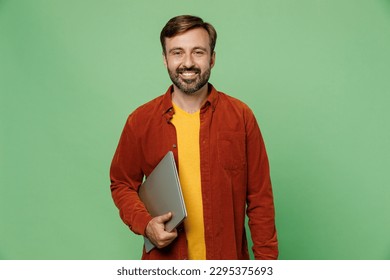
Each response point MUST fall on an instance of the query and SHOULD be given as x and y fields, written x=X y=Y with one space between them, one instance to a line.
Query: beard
x=189 y=86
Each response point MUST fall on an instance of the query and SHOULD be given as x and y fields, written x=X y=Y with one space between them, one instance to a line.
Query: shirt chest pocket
x=231 y=150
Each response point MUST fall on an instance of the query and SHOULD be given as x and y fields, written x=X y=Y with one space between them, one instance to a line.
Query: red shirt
x=235 y=176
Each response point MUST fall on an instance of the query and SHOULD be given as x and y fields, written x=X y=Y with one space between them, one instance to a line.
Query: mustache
x=189 y=69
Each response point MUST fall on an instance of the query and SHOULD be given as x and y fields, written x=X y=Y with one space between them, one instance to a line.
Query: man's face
x=189 y=60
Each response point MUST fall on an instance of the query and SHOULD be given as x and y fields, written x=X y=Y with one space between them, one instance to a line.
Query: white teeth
x=188 y=73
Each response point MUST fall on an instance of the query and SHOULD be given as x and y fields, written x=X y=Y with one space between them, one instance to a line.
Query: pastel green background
x=315 y=73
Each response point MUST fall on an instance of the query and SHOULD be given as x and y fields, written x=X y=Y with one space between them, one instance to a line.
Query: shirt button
x=174 y=146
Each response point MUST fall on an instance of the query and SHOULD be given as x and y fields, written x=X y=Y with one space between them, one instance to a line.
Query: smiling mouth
x=188 y=74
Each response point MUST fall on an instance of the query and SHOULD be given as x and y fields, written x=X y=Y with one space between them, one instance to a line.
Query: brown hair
x=181 y=24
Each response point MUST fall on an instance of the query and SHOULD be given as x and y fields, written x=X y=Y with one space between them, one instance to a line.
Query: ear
x=165 y=60
x=212 y=60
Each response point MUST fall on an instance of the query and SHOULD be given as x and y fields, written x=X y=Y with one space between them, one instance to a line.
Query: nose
x=188 y=61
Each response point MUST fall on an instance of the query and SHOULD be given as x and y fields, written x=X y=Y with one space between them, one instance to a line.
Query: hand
x=155 y=231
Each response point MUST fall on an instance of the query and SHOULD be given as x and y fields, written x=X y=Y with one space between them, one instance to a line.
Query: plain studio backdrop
x=315 y=73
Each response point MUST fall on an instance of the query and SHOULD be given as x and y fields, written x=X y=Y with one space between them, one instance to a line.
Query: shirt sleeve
x=126 y=176
x=260 y=203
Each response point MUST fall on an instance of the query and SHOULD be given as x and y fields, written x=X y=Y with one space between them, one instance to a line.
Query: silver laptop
x=161 y=193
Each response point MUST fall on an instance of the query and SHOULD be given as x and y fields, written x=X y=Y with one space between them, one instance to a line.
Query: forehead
x=193 y=38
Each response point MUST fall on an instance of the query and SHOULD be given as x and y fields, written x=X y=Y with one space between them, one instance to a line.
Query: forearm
x=263 y=232
x=131 y=209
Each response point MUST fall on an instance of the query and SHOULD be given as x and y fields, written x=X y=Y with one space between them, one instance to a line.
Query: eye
x=199 y=52
x=176 y=52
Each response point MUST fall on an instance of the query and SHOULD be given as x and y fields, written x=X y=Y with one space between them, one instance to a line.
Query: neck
x=190 y=103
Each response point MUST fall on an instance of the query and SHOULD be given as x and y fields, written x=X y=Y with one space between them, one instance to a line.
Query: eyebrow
x=175 y=49
x=200 y=48
x=182 y=49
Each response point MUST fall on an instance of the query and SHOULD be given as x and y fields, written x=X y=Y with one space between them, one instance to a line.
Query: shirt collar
x=212 y=100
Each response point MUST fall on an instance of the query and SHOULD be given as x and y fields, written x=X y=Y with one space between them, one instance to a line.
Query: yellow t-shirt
x=187 y=130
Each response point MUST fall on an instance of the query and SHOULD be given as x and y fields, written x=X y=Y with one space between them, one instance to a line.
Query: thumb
x=166 y=217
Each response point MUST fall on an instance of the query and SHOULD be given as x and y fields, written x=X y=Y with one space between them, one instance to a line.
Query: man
x=222 y=162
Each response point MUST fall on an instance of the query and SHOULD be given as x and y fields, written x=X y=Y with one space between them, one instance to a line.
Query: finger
x=166 y=240
x=171 y=234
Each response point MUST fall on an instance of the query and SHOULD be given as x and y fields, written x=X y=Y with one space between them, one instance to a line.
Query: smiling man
x=220 y=153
